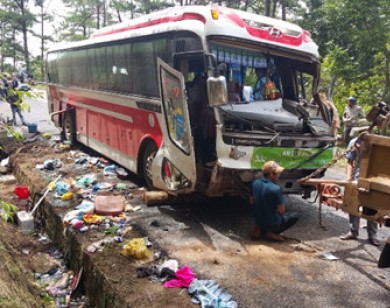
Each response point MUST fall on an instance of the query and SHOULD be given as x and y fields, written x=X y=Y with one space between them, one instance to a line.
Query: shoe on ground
x=374 y=241
x=273 y=237
x=349 y=236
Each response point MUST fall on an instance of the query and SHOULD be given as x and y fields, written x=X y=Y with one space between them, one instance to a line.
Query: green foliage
x=24 y=106
x=354 y=39
x=7 y=210
x=11 y=131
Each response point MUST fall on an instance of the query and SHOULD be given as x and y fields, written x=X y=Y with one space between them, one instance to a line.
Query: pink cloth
x=184 y=277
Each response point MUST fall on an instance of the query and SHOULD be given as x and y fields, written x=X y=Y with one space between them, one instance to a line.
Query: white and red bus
x=151 y=94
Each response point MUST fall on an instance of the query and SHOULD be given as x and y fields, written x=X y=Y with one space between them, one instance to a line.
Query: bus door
x=174 y=167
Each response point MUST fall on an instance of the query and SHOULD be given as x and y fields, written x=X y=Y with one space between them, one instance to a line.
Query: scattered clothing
x=209 y=294
x=184 y=276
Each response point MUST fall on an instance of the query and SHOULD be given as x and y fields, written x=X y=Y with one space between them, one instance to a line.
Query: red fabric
x=184 y=277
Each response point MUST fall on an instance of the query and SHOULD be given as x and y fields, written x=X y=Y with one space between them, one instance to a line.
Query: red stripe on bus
x=100 y=104
x=185 y=16
x=282 y=38
x=139 y=129
x=265 y=33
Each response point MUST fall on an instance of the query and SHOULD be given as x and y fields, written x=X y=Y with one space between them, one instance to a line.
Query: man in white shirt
x=352 y=113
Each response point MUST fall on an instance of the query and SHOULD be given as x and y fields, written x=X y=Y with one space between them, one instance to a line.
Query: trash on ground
x=7 y=179
x=23 y=192
x=183 y=278
x=208 y=293
x=136 y=248
x=99 y=245
x=329 y=256
x=109 y=205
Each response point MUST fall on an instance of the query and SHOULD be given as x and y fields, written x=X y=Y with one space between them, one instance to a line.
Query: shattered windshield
x=268 y=92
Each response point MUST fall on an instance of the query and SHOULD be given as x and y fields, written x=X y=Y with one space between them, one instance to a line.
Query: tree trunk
x=246 y=5
x=42 y=44
x=331 y=87
x=104 y=14
x=14 y=46
x=25 y=41
x=118 y=13
x=2 y=40
x=283 y=4
x=267 y=7
x=98 y=15
x=274 y=5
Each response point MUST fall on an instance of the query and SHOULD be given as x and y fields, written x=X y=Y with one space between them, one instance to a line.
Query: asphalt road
x=212 y=238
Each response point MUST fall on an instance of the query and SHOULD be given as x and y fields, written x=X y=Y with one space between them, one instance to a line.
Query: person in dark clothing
x=14 y=83
x=14 y=100
x=270 y=214
x=3 y=87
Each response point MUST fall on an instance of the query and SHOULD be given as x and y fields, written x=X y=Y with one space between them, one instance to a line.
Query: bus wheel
x=147 y=160
x=69 y=126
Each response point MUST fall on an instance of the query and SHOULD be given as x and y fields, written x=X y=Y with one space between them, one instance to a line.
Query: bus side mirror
x=217 y=91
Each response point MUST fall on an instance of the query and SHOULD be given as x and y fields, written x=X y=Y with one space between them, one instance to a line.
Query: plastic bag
x=136 y=248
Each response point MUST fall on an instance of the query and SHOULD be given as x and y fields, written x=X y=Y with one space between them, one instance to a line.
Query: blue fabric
x=353 y=154
x=209 y=294
x=267 y=196
x=236 y=72
x=258 y=89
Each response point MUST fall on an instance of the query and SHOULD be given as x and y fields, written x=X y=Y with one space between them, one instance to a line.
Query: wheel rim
x=148 y=165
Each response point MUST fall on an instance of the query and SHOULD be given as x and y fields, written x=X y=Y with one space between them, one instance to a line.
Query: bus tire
x=69 y=126
x=148 y=155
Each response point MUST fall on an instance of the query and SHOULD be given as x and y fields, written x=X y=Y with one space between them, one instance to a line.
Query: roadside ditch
x=90 y=257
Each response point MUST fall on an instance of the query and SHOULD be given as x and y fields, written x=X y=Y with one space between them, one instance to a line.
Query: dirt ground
x=119 y=270
x=122 y=271
x=212 y=238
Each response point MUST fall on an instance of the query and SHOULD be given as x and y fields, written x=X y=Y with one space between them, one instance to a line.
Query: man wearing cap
x=269 y=209
x=352 y=113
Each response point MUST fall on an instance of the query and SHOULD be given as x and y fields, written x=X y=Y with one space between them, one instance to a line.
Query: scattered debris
x=136 y=248
x=7 y=179
x=329 y=256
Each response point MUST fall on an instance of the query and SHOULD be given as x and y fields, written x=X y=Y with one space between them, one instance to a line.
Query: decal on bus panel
x=149 y=106
x=173 y=103
x=292 y=158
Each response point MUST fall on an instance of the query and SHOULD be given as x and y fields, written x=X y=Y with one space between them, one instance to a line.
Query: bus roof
x=208 y=21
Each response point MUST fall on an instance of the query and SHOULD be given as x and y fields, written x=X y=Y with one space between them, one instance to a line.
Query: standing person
x=14 y=83
x=353 y=155
x=3 y=86
x=14 y=100
x=270 y=214
x=352 y=113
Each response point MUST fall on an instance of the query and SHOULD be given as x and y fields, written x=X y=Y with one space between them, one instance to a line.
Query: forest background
x=353 y=35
